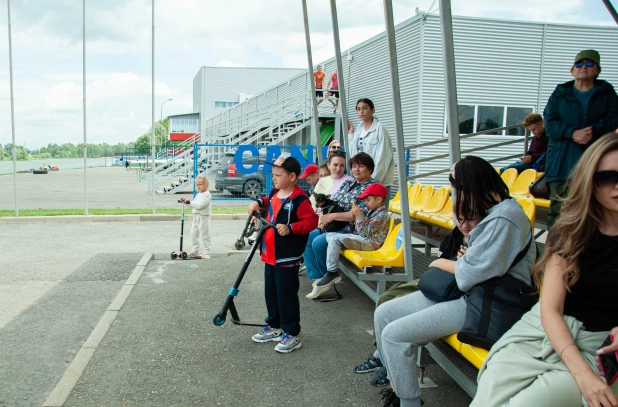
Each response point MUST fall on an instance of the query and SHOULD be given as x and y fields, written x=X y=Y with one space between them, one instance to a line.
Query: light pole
x=164 y=102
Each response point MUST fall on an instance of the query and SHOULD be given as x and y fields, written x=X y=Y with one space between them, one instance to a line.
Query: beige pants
x=200 y=234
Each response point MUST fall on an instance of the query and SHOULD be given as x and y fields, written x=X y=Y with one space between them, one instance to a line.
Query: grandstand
x=495 y=92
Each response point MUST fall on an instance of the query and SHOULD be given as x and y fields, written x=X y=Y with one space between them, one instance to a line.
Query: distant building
x=216 y=89
x=183 y=126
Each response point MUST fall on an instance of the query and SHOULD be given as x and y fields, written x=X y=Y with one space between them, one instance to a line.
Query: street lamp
x=161 y=119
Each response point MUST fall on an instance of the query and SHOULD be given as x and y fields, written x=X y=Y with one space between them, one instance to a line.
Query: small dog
x=329 y=206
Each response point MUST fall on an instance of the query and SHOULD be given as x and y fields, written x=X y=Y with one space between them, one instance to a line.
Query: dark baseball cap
x=289 y=164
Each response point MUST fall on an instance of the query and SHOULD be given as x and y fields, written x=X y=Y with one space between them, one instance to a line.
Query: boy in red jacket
x=289 y=209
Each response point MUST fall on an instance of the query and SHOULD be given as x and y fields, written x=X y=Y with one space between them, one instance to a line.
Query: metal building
x=505 y=70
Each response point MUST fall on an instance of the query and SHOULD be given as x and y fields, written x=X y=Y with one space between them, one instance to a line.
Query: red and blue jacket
x=296 y=212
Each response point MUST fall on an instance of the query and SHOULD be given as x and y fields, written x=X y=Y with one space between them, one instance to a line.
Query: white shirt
x=201 y=204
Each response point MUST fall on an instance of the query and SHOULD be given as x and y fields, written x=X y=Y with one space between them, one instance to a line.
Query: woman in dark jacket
x=577 y=114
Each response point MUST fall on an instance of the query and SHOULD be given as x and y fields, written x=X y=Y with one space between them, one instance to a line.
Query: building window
x=489 y=117
x=224 y=105
x=475 y=118
x=516 y=115
x=466 y=118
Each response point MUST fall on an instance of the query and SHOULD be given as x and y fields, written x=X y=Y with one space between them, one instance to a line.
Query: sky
x=47 y=52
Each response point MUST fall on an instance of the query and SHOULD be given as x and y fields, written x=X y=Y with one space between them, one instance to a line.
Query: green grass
x=119 y=211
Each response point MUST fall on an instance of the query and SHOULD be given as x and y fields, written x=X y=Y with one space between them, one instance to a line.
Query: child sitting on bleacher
x=371 y=232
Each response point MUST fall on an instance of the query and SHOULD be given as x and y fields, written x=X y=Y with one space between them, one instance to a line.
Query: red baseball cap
x=376 y=189
x=310 y=169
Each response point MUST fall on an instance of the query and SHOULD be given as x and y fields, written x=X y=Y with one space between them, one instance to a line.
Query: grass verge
x=118 y=211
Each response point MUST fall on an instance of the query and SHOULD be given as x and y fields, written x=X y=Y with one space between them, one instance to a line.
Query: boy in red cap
x=371 y=231
x=288 y=208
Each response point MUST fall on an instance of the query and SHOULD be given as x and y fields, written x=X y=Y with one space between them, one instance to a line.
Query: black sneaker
x=332 y=277
x=389 y=398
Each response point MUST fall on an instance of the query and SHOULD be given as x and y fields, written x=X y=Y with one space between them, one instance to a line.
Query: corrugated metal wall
x=499 y=63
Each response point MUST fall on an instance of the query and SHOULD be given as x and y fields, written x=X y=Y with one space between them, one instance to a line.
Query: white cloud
x=48 y=50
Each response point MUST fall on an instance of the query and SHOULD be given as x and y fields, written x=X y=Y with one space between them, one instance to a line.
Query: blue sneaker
x=288 y=344
x=268 y=334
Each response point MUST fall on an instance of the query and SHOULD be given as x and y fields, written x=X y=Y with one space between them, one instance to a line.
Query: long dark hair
x=475 y=182
x=367 y=101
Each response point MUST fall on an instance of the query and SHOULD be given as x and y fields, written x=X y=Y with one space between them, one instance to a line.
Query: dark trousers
x=556 y=189
x=281 y=293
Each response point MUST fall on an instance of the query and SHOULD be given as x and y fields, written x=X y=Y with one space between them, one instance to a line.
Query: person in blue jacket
x=577 y=113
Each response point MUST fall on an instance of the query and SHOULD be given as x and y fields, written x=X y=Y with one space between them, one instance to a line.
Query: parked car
x=249 y=185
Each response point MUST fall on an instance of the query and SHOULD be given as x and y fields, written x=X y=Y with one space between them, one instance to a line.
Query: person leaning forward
x=577 y=113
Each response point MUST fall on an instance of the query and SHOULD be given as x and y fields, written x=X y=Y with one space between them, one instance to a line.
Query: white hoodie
x=201 y=204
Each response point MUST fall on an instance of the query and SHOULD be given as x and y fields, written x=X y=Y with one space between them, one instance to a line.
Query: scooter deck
x=249 y=322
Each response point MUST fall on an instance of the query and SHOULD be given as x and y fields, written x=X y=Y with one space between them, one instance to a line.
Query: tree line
x=68 y=150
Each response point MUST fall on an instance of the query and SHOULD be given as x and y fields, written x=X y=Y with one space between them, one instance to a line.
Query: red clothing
x=319 y=79
x=538 y=146
x=334 y=84
x=296 y=212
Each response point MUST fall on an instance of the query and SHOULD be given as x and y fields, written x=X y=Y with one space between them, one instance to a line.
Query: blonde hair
x=580 y=216
x=203 y=178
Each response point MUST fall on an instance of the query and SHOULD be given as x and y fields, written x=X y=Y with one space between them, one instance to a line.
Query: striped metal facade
x=498 y=63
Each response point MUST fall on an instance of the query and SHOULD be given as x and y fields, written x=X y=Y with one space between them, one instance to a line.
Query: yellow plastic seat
x=421 y=200
x=542 y=203
x=446 y=211
x=509 y=176
x=436 y=203
x=454 y=342
x=529 y=209
x=413 y=192
x=523 y=181
x=474 y=355
x=396 y=199
x=390 y=254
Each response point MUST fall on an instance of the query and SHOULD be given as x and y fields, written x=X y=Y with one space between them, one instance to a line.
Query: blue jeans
x=519 y=166
x=315 y=254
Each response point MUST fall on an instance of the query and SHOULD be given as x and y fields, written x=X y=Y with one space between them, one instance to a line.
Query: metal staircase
x=271 y=124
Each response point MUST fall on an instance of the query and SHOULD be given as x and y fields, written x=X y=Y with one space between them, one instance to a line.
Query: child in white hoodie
x=200 y=230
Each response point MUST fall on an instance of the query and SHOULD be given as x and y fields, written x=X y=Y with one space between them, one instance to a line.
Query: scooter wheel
x=218 y=320
x=240 y=244
x=173 y=255
x=184 y=255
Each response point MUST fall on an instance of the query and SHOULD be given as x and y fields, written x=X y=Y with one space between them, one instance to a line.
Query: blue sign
x=272 y=154
x=399 y=239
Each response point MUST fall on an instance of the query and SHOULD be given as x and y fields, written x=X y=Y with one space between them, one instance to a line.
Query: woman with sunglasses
x=577 y=113
x=550 y=357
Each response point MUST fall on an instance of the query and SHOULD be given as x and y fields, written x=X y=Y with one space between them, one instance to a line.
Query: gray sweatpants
x=335 y=241
x=407 y=321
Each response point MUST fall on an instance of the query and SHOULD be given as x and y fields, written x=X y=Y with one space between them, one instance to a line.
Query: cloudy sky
x=47 y=52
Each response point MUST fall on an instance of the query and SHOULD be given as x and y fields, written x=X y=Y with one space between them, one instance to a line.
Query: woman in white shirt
x=372 y=138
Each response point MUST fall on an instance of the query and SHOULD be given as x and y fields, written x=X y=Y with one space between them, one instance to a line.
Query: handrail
x=467 y=151
x=479 y=133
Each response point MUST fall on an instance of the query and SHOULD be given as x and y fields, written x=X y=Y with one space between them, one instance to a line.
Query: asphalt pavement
x=162 y=349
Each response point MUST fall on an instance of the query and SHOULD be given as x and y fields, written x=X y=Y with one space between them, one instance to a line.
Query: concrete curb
x=112 y=218
x=71 y=376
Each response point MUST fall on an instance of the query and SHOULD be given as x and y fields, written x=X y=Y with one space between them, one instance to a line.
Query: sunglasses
x=605 y=179
x=335 y=147
x=580 y=64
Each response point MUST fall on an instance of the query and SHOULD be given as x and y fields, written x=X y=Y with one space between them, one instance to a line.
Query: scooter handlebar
x=260 y=217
